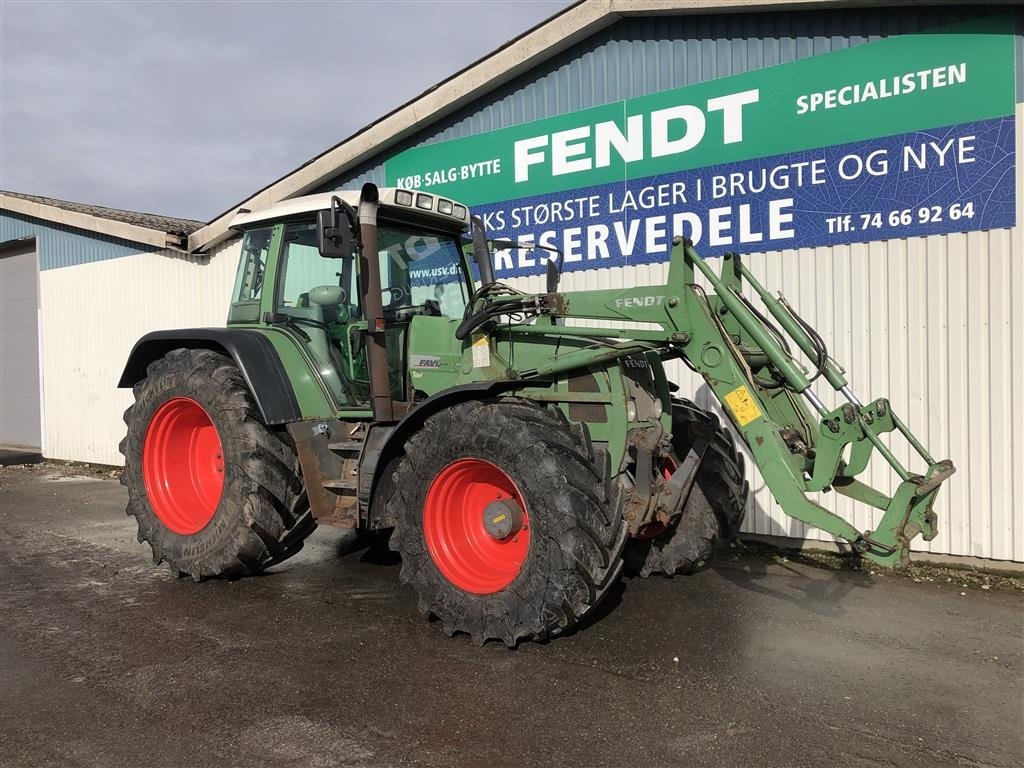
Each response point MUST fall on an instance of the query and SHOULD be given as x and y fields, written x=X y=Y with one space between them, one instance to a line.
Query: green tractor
x=374 y=375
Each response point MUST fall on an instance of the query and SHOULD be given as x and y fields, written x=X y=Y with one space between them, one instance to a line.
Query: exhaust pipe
x=373 y=307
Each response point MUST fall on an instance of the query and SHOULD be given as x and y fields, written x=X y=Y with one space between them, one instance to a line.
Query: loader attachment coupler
x=801 y=450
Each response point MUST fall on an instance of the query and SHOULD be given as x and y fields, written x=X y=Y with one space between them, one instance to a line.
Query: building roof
x=146 y=228
x=556 y=34
x=520 y=54
x=169 y=224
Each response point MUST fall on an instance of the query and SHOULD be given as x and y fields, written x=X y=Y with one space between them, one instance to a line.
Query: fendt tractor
x=374 y=374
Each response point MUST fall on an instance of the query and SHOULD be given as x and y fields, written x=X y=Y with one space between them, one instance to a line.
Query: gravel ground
x=765 y=659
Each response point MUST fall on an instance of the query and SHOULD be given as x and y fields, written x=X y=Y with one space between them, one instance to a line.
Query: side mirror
x=333 y=233
x=553 y=264
x=481 y=253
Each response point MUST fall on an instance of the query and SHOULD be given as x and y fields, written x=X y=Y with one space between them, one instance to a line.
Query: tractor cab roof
x=437 y=211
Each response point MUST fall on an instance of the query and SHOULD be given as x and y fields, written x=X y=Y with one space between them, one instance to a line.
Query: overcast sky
x=186 y=108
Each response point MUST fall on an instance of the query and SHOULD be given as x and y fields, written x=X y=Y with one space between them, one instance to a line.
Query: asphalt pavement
x=106 y=660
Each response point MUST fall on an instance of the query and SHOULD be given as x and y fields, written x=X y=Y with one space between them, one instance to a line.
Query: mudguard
x=253 y=353
x=385 y=442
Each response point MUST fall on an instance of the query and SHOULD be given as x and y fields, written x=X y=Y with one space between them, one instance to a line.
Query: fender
x=253 y=353
x=385 y=442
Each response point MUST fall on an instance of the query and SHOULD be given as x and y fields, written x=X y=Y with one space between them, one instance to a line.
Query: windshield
x=421 y=271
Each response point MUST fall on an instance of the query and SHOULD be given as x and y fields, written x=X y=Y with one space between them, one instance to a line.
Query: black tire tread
x=586 y=540
x=266 y=508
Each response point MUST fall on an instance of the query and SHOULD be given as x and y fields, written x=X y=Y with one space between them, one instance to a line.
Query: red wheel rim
x=453 y=525
x=183 y=465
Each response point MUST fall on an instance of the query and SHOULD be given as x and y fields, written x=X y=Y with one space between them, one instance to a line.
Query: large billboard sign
x=911 y=135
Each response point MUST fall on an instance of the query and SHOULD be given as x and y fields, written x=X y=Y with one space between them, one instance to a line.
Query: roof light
x=403 y=197
x=444 y=206
x=459 y=212
x=426 y=202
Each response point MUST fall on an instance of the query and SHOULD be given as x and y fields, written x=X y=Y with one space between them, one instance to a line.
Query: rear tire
x=537 y=583
x=214 y=491
x=715 y=509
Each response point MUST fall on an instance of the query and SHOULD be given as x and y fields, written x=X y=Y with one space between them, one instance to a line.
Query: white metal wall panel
x=92 y=316
x=937 y=325
x=20 y=423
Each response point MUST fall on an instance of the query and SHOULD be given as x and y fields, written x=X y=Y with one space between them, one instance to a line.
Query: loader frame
x=801 y=447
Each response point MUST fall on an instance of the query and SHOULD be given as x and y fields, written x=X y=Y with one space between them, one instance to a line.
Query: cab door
x=422 y=275
x=316 y=301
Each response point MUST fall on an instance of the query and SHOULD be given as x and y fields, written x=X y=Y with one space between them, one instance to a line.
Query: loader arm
x=800 y=446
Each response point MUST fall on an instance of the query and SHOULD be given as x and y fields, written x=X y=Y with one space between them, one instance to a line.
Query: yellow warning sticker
x=481 y=350
x=742 y=405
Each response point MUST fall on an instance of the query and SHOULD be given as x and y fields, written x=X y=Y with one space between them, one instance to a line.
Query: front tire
x=213 y=490
x=715 y=508
x=551 y=548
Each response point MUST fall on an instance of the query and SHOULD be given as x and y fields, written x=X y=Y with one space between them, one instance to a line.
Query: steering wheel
x=428 y=308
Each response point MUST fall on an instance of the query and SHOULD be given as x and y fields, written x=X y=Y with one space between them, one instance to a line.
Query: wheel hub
x=476 y=526
x=503 y=518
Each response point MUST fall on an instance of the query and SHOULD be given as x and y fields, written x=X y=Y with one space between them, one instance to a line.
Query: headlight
x=630 y=410
x=444 y=206
x=403 y=197
x=459 y=212
x=426 y=202
x=658 y=408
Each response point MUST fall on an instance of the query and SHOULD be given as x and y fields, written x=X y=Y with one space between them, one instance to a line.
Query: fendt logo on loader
x=639 y=301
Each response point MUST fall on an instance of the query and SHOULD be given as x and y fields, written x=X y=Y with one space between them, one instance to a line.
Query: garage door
x=19 y=348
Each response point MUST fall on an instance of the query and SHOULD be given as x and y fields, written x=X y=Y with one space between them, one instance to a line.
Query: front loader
x=519 y=449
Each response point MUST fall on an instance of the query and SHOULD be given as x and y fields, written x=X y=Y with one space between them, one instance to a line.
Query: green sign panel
x=808 y=147
x=953 y=75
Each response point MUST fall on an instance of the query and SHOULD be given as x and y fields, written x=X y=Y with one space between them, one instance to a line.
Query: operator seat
x=324 y=304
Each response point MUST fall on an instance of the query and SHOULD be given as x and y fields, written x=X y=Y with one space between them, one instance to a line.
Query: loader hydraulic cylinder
x=757 y=332
x=783 y=313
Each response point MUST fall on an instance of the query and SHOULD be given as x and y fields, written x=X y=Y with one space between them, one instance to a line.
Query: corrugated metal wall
x=63 y=246
x=98 y=295
x=93 y=314
x=939 y=329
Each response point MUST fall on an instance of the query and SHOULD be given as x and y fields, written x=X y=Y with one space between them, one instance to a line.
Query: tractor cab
x=304 y=269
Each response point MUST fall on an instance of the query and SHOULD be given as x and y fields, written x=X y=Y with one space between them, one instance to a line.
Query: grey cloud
x=186 y=108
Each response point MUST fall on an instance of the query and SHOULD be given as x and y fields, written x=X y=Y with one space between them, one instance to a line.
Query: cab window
x=421 y=273
x=245 y=298
x=316 y=295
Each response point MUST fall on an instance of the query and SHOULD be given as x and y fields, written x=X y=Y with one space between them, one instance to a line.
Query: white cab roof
x=321 y=202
